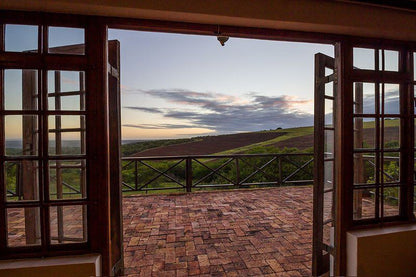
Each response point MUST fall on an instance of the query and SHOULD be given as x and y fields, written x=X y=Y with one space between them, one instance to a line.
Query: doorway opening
x=202 y=117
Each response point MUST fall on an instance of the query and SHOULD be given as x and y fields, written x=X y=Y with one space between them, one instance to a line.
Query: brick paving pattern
x=225 y=233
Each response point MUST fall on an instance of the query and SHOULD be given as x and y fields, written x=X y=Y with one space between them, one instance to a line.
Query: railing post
x=237 y=168
x=280 y=169
x=136 y=177
x=188 y=174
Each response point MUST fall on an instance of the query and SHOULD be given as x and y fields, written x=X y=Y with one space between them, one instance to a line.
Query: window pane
x=391 y=60
x=364 y=98
x=21 y=135
x=64 y=40
x=364 y=204
x=391 y=99
x=23 y=227
x=329 y=112
x=66 y=134
x=329 y=144
x=364 y=168
x=67 y=179
x=363 y=58
x=21 y=38
x=328 y=201
x=66 y=90
x=329 y=89
x=364 y=133
x=328 y=175
x=68 y=224
x=391 y=169
x=391 y=133
x=391 y=201
x=21 y=180
x=414 y=66
x=20 y=89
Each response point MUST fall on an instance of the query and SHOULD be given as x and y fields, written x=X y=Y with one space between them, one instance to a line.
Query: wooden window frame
x=94 y=63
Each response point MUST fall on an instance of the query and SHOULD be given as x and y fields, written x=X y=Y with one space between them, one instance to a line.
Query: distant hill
x=210 y=144
x=300 y=138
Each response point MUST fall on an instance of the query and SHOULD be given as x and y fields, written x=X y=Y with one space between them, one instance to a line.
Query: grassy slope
x=287 y=135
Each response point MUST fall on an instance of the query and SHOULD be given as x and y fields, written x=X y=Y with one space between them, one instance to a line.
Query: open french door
x=324 y=166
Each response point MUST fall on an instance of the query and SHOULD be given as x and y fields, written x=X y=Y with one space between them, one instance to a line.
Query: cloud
x=144 y=109
x=159 y=126
x=225 y=114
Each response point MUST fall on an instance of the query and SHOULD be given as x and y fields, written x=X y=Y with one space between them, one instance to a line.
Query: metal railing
x=188 y=173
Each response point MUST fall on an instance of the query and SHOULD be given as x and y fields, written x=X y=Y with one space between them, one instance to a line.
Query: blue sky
x=176 y=85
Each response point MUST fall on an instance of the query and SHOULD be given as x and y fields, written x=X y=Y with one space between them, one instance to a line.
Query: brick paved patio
x=233 y=233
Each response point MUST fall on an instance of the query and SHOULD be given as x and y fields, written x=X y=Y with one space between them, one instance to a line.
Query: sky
x=176 y=85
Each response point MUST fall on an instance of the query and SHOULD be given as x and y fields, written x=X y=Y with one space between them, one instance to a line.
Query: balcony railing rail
x=194 y=172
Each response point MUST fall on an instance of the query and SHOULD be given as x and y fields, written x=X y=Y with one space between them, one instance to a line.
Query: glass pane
x=67 y=179
x=363 y=58
x=21 y=38
x=66 y=134
x=364 y=98
x=328 y=201
x=329 y=144
x=66 y=90
x=364 y=133
x=364 y=168
x=328 y=71
x=391 y=201
x=414 y=66
x=20 y=89
x=391 y=133
x=23 y=227
x=329 y=112
x=68 y=224
x=21 y=135
x=391 y=169
x=328 y=175
x=391 y=60
x=64 y=40
x=21 y=180
x=391 y=99
x=364 y=204
x=329 y=89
